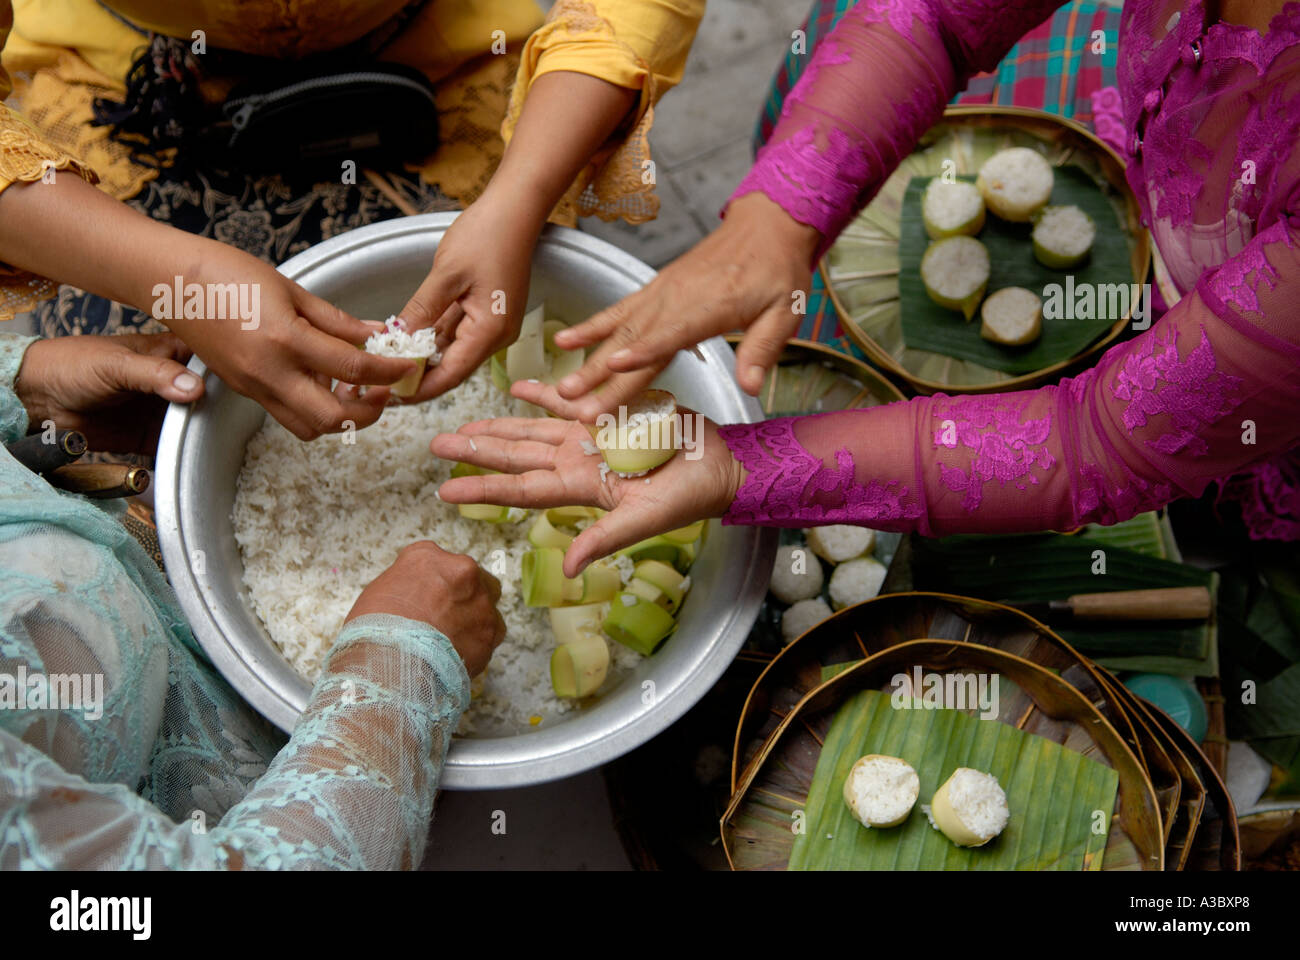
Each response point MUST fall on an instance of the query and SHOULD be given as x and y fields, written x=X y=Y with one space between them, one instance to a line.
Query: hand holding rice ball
x=395 y=340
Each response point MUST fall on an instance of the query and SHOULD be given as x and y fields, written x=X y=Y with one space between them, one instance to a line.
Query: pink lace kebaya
x=1210 y=119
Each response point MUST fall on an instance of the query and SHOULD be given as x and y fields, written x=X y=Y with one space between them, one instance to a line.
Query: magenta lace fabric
x=1210 y=116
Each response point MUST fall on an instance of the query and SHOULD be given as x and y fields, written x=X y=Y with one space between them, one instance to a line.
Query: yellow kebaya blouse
x=62 y=54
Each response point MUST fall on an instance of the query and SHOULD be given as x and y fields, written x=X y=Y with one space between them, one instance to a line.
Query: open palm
x=543 y=462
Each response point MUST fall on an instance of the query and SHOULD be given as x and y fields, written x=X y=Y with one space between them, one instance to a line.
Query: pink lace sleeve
x=873 y=86
x=1211 y=388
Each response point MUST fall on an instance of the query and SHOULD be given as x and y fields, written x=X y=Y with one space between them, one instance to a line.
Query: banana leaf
x=1056 y=835
x=1044 y=567
x=1147 y=533
x=928 y=326
x=1284 y=754
x=1045 y=718
x=1279 y=564
x=1276 y=708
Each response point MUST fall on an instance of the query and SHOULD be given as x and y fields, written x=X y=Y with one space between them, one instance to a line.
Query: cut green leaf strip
x=578 y=668
x=673 y=584
x=569 y=623
x=543 y=534
x=637 y=623
x=535 y=356
x=545 y=584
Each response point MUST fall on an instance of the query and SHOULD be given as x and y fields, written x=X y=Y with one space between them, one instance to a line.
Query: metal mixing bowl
x=371 y=272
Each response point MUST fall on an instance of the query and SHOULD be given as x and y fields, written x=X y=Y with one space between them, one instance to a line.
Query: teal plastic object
x=1176 y=696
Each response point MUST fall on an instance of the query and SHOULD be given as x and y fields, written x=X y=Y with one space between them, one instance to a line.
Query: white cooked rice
x=316 y=522
x=396 y=341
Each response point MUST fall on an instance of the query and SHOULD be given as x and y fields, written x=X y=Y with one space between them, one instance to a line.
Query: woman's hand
x=292 y=349
x=477 y=291
x=542 y=463
x=448 y=591
x=283 y=357
x=751 y=273
x=114 y=390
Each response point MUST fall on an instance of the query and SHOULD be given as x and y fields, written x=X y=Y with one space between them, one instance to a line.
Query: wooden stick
x=382 y=184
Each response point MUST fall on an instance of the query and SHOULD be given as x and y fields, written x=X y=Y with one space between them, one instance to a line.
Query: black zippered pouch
x=377 y=114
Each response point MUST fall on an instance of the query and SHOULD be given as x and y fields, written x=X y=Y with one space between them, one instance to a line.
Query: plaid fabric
x=1046 y=70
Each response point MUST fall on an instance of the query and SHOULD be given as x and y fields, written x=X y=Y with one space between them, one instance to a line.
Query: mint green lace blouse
x=172 y=769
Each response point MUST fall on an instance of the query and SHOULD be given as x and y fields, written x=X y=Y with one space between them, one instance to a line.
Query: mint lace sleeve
x=1210 y=389
x=352 y=789
x=13 y=418
x=878 y=81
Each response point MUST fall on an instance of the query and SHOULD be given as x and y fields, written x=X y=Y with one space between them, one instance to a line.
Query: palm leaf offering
x=1039 y=836
x=928 y=326
x=1045 y=567
x=1058 y=760
x=867 y=274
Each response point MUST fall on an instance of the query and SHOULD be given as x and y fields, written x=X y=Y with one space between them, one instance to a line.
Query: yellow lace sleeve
x=24 y=156
x=638 y=44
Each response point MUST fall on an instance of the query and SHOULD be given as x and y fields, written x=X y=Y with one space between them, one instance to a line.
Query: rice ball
x=952 y=209
x=803 y=616
x=970 y=808
x=840 y=541
x=955 y=273
x=797 y=574
x=1016 y=183
x=856 y=581
x=881 y=791
x=1063 y=237
x=1013 y=316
